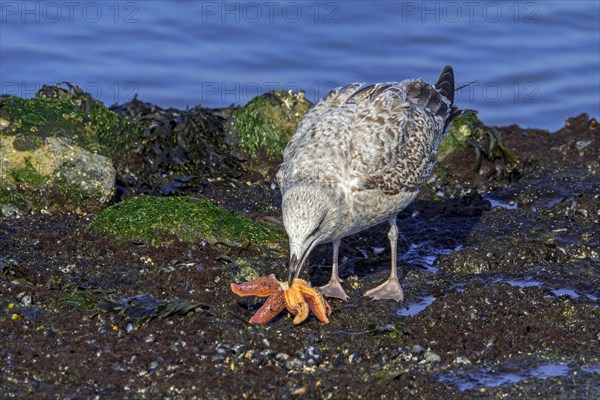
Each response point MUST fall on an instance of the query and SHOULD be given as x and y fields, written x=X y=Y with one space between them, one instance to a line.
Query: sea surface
x=534 y=63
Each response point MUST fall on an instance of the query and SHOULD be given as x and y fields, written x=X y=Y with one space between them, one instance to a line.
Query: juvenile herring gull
x=358 y=158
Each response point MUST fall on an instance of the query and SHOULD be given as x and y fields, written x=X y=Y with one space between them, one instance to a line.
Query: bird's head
x=309 y=217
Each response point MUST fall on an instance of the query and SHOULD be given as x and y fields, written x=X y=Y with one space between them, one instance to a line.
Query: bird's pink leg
x=334 y=287
x=391 y=288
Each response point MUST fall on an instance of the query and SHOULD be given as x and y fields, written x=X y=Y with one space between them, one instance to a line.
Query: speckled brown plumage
x=358 y=158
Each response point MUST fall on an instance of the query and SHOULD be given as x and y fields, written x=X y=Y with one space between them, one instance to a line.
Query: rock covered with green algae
x=55 y=174
x=70 y=114
x=468 y=130
x=151 y=218
x=55 y=150
x=268 y=122
x=465 y=129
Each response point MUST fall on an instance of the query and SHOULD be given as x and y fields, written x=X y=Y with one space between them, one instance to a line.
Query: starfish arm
x=303 y=311
x=263 y=286
x=294 y=301
x=272 y=307
x=317 y=304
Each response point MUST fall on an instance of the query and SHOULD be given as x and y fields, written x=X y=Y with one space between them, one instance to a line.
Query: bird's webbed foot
x=390 y=289
x=334 y=289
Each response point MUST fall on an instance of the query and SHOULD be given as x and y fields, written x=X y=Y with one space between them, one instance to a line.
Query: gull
x=358 y=158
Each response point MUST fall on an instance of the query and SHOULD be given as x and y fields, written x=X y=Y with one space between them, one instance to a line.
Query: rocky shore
x=121 y=229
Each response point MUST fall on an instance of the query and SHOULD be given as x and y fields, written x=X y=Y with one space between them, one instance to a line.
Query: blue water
x=535 y=62
x=485 y=377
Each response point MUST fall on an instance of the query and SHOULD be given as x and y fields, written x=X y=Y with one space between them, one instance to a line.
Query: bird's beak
x=297 y=264
x=294 y=269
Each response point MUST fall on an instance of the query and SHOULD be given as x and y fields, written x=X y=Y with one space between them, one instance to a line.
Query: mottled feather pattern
x=385 y=138
x=319 y=126
x=333 y=99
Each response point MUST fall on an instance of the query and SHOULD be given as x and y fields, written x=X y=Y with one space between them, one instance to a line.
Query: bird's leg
x=334 y=287
x=391 y=288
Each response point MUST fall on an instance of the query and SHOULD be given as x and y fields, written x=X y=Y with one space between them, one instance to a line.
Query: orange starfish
x=299 y=299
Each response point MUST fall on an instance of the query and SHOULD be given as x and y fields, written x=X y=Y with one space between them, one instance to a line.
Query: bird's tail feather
x=445 y=85
x=432 y=97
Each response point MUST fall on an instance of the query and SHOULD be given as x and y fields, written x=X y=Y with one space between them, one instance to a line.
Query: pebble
x=4 y=123
x=461 y=361
x=432 y=357
x=266 y=352
x=417 y=349
x=582 y=144
x=314 y=352
x=178 y=345
x=223 y=349
x=26 y=300
x=298 y=391
x=10 y=211
x=293 y=364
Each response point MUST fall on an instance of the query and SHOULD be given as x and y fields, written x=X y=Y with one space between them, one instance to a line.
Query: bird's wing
x=310 y=126
x=321 y=155
x=397 y=130
x=383 y=136
x=331 y=100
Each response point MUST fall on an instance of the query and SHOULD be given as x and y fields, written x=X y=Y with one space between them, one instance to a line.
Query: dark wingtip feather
x=445 y=83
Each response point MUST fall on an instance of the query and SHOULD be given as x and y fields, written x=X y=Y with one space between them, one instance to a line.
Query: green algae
x=57 y=114
x=465 y=129
x=79 y=300
x=70 y=113
x=468 y=130
x=27 y=189
x=27 y=175
x=268 y=122
x=245 y=269
x=148 y=219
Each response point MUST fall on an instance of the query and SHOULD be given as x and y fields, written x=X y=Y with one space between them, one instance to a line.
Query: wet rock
x=502 y=255
x=583 y=207
x=246 y=269
x=55 y=151
x=56 y=174
x=542 y=152
x=526 y=287
x=417 y=349
x=431 y=357
x=468 y=131
x=267 y=122
x=10 y=211
x=464 y=130
x=461 y=361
